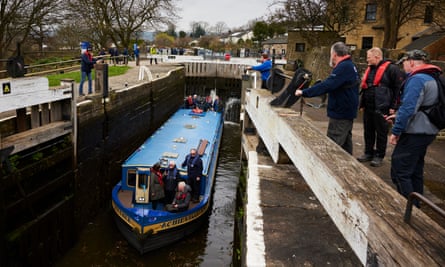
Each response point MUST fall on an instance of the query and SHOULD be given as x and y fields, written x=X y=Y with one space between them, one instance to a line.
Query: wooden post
x=45 y=113
x=35 y=116
x=22 y=124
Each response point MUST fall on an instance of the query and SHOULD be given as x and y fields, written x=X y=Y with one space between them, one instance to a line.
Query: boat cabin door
x=142 y=193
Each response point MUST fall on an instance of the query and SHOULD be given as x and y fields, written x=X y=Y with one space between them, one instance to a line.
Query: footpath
x=131 y=77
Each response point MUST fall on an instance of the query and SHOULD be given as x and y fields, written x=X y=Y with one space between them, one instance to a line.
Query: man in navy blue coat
x=342 y=87
x=194 y=172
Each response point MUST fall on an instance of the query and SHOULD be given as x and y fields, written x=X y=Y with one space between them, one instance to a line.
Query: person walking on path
x=412 y=131
x=343 y=95
x=86 y=66
x=194 y=172
x=380 y=91
x=264 y=68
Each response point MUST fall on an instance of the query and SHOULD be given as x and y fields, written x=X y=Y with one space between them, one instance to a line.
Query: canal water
x=101 y=244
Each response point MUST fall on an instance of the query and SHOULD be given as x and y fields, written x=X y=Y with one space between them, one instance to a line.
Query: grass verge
x=54 y=79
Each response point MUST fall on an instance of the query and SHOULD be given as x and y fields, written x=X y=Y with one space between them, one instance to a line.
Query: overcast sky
x=234 y=13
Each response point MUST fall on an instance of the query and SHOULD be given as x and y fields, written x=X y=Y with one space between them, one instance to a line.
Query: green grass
x=54 y=80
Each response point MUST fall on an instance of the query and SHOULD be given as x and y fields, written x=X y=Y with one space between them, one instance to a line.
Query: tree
x=397 y=13
x=261 y=31
x=333 y=15
x=198 y=29
x=171 y=30
x=120 y=20
x=164 y=40
x=182 y=34
x=220 y=27
x=183 y=41
x=18 y=18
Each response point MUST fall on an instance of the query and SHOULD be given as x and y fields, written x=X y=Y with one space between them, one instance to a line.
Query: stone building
x=370 y=31
x=276 y=46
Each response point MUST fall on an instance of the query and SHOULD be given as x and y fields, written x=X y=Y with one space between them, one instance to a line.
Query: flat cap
x=415 y=54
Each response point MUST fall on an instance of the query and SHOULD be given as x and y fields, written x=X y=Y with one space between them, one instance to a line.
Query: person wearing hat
x=380 y=91
x=86 y=66
x=412 y=132
x=264 y=68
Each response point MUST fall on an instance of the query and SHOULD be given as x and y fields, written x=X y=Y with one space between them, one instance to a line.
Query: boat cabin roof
x=174 y=139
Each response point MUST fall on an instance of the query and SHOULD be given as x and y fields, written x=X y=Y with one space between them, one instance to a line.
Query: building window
x=367 y=42
x=300 y=47
x=428 y=14
x=371 y=12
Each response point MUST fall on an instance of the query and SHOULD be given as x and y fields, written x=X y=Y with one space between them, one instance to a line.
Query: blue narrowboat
x=146 y=228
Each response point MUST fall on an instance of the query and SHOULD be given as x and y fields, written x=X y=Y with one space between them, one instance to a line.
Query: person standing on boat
x=171 y=179
x=194 y=172
x=181 y=199
x=215 y=105
x=157 y=193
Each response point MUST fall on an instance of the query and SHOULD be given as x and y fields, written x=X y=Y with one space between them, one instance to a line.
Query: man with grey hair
x=412 y=131
x=194 y=166
x=343 y=94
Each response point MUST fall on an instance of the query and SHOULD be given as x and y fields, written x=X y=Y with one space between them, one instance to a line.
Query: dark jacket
x=380 y=91
x=171 y=178
x=194 y=166
x=156 y=185
x=87 y=62
x=342 y=88
x=183 y=199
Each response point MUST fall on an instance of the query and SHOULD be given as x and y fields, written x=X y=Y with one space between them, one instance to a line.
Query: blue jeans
x=407 y=162
x=82 y=80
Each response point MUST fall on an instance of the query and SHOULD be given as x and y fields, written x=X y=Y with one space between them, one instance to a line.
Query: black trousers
x=375 y=129
x=196 y=187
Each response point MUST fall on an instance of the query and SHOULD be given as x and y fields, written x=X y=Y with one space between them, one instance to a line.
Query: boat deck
x=126 y=198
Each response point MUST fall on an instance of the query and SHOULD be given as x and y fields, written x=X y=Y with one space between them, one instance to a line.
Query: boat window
x=131 y=178
x=142 y=181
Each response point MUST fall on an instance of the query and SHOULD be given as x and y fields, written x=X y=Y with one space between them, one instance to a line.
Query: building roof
x=279 y=40
x=424 y=41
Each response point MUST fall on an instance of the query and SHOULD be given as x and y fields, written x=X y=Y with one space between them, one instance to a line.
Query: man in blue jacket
x=264 y=68
x=412 y=131
x=343 y=95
